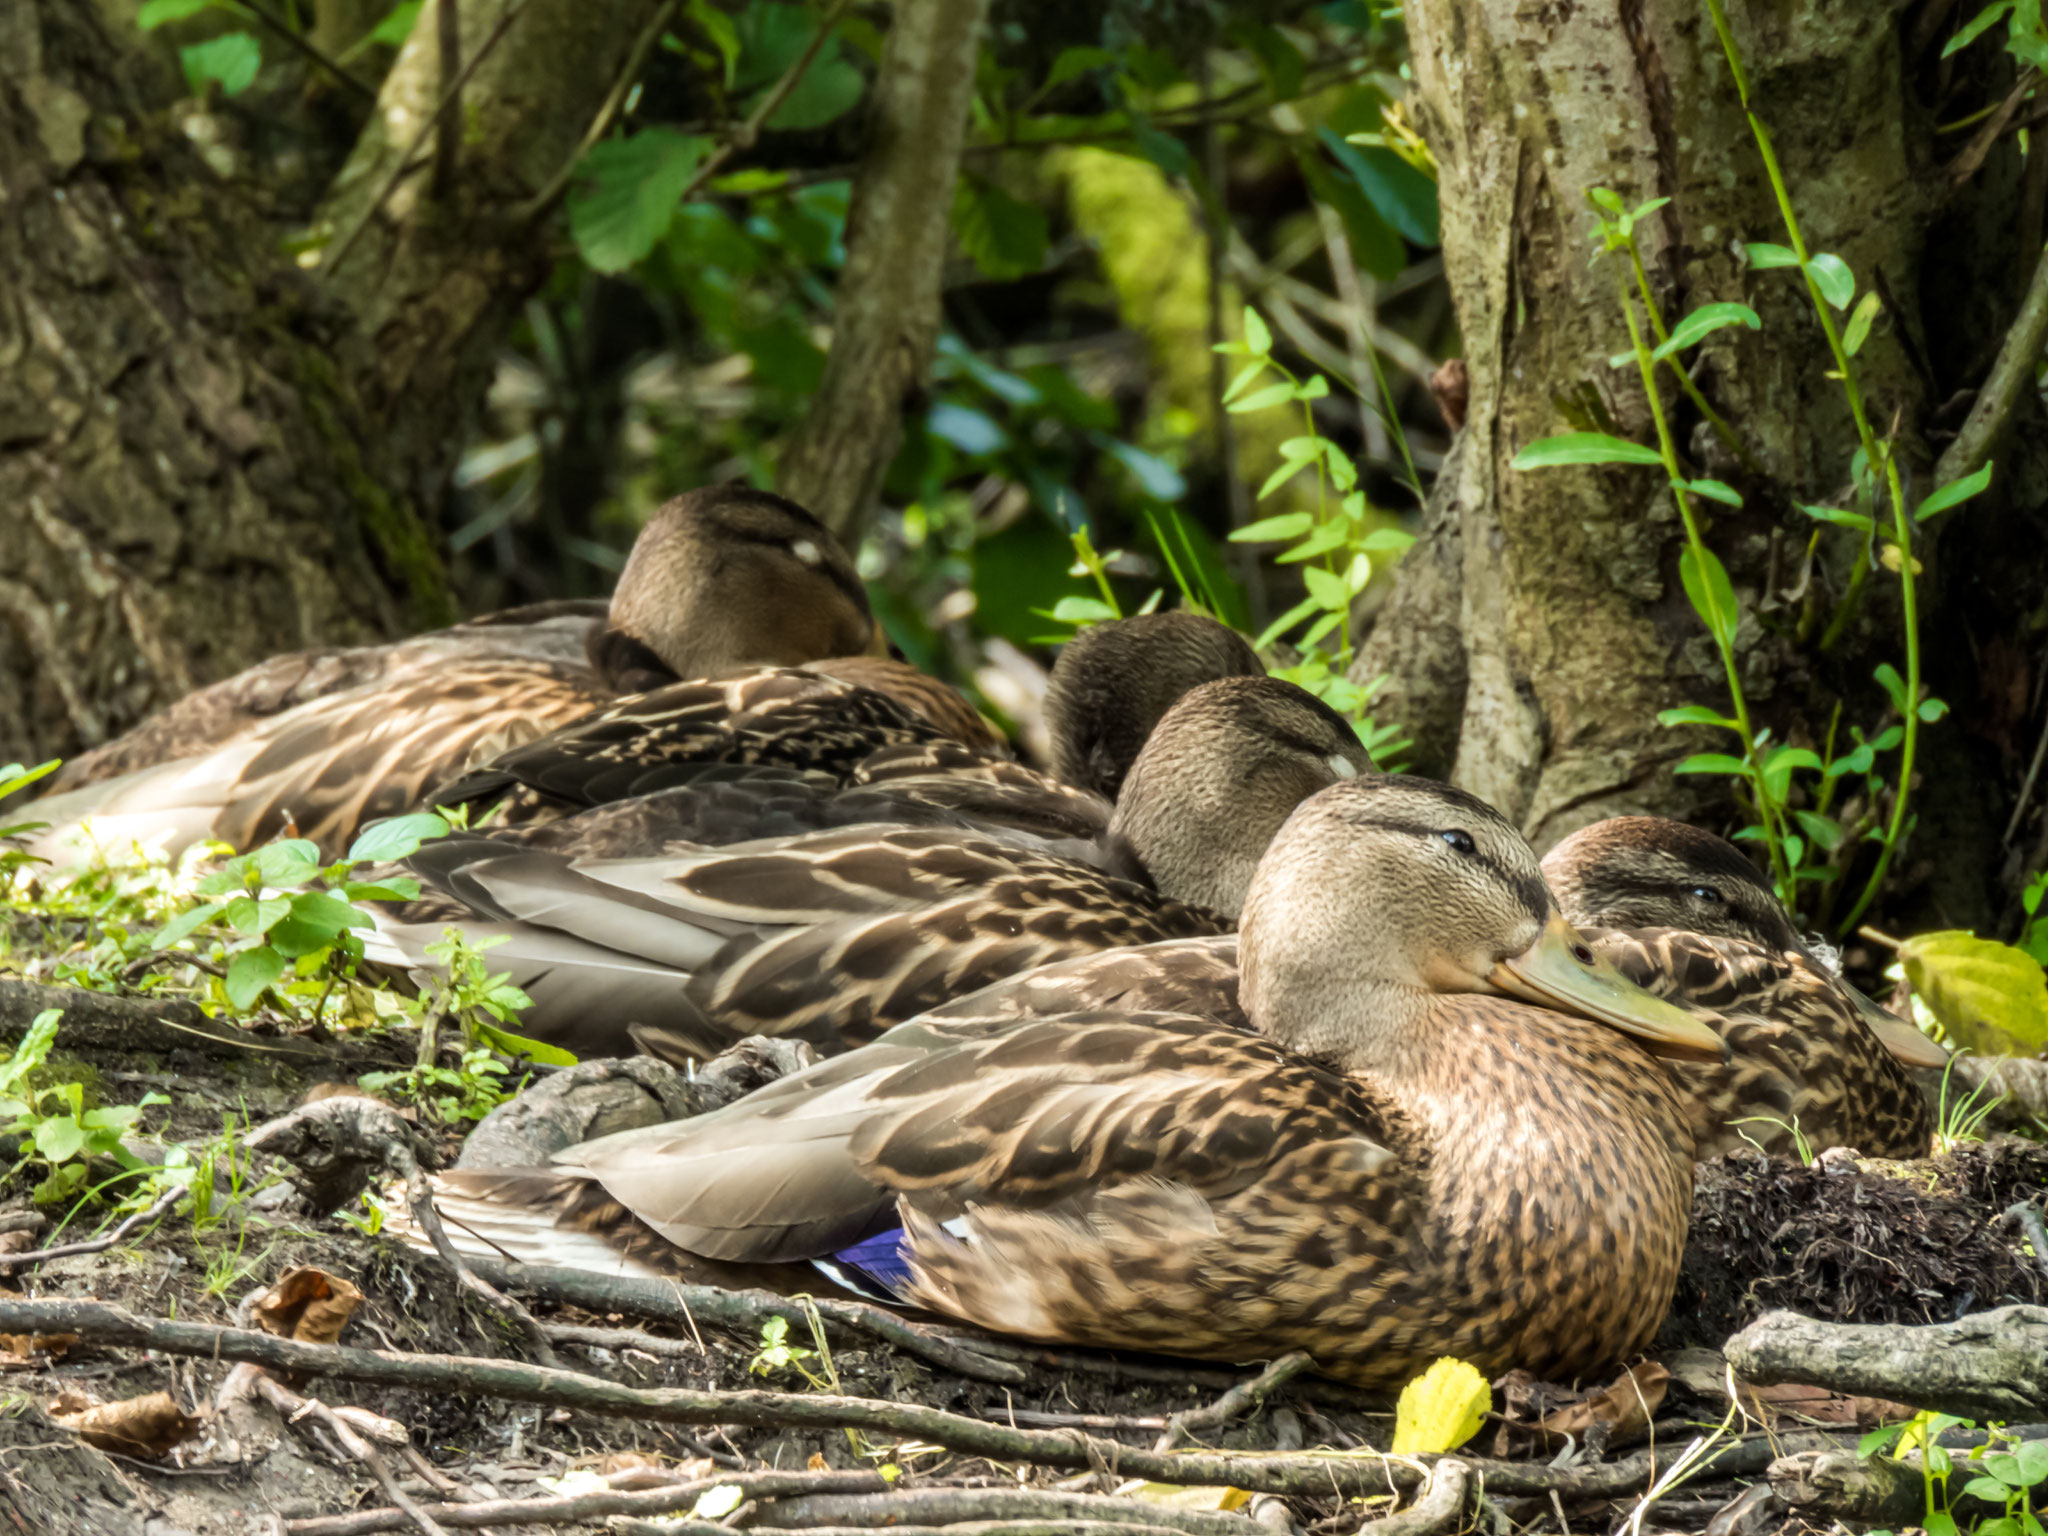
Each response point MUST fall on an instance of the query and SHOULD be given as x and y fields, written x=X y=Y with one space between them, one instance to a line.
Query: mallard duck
x=1445 y=1134
x=1682 y=913
x=323 y=742
x=865 y=723
x=832 y=937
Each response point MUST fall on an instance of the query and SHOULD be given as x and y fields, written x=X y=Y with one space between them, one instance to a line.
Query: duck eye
x=1460 y=840
x=1708 y=894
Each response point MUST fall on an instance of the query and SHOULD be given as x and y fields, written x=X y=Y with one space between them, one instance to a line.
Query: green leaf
x=1703 y=322
x=1399 y=193
x=1607 y=200
x=249 y=973
x=1825 y=831
x=1695 y=714
x=1839 y=516
x=1763 y=256
x=1256 y=336
x=247 y=915
x=404 y=888
x=1329 y=536
x=231 y=59
x=1073 y=63
x=1714 y=490
x=1932 y=710
x=1859 y=323
x=1894 y=685
x=1273 y=530
x=1954 y=494
x=1327 y=588
x=627 y=193
x=396 y=26
x=1156 y=478
x=184 y=925
x=60 y=1137
x=1977 y=26
x=396 y=838
x=1263 y=399
x=1831 y=275
x=1584 y=448
x=161 y=13
x=33 y=1050
x=293 y=861
x=719 y=31
x=1082 y=610
x=1162 y=149
x=1713 y=762
x=830 y=89
x=1712 y=595
x=1004 y=237
x=518 y=1045
x=315 y=921
x=1988 y=996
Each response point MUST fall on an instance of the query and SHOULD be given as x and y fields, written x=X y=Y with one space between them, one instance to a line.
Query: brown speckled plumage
x=1397 y=1166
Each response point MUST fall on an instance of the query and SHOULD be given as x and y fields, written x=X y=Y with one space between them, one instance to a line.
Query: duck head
x=1223 y=769
x=729 y=577
x=1652 y=872
x=1383 y=899
x=1115 y=681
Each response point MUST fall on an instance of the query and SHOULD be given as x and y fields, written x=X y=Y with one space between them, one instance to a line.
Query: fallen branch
x=292 y=1408
x=1245 y=1397
x=101 y=1021
x=1442 y=1502
x=1992 y=1365
x=1825 y=1486
x=570 y=1509
x=104 y=1241
x=691 y=1306
x=965 y=1528
x=954 y=1506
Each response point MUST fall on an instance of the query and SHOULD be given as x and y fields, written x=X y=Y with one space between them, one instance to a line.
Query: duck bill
x=1905 y=1043
x=1561 y=971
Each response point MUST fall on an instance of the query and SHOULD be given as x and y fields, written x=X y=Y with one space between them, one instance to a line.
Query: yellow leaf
x=1440 y=1409
x=1190 y=1498
x=1988 y=996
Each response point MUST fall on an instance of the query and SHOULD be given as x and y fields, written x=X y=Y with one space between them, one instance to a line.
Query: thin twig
x=1245 y=1397
x=293 y=1408
x=572 y=1509
x=1442 y=1501
x=964 y=1528
x=421 y=1202
x=2010 y=376
x=105 y=1240
x=951 y=1506
x=332 y=264
x=744 y=135
x=292 y=38
x=601 y=124
x=134 y=969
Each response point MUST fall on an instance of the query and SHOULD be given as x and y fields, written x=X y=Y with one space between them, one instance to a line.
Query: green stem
x=1767 y=812
x=1692 y=391
x=1902 y=530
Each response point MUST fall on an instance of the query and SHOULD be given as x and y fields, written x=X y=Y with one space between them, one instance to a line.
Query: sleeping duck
x=1443 y=1133
x=325 y=741
x=833 y=936
x=1679 y=912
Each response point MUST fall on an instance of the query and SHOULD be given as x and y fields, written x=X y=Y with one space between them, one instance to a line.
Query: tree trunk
x=208 y=453
x=1573 y=630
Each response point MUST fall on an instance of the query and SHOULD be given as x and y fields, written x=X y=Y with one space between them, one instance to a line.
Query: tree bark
x=1573 y=631
x=209 y=455
x=1991 y=1365
x=886 y=323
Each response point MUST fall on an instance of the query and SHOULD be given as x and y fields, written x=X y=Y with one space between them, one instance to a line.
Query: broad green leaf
x=247 y=915
x=518 y=1045
x=1713 y=762
x=830 y=89
x=1831 y=275
x=184 y=925
x=1712 y=594
x=1375 y=244
x=1399 y=193
x=1954 y=494
x=1256 y=336
x=1694 y=714
x=1858 y=330
x=396 y=26
x=1703 y=322
x=315 y=921
x=1263 y=399
x=249 y=973
x=1082 y=610
x=1839 y=516
x=1932 y=710
x=293 y=861
x=1714 y=490
x=1329 y=589
x=627 y=193
x=1763 y=256
x=1387 y=541
x=1584 y=448
x=1894 y=685
x=1004 y=237
x=404 y=888
x=161 y=13
x=1988 y=996
x=1976 y=26
x=1607 y=200
x=1440 y=1409
x=60 y=1137
x=972 y=432
x=1825 y=831
x=396 y=838
x=1073 y=63
x=1275 y=529
x=231 y=59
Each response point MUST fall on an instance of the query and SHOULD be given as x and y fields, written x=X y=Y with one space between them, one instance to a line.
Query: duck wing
x=1193 y=976
x=327 y=767
x=1804 y=1062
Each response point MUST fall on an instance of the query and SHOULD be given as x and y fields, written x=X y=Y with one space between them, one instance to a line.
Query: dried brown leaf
x=146 y=1427
x=33 y=1349
x=1541 y=1418
x=308 y=1304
